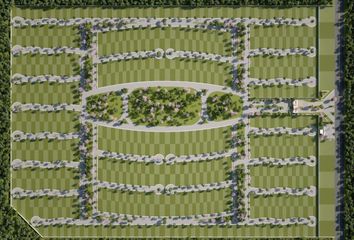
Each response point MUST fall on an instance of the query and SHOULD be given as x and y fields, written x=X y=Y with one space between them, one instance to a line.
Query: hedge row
x=349 y=121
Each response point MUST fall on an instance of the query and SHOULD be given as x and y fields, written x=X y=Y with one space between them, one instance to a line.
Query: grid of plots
x=119 y=203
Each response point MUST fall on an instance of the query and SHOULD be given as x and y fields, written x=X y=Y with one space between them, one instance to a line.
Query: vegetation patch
x=105 y=106
x=222 y=106
x=157 y=106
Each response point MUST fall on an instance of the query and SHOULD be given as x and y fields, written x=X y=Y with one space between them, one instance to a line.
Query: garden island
x=173 y=122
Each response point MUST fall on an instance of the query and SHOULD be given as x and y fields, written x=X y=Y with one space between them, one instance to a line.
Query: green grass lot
x=46 y=93
x=151 y=143
x=164 y=205
x=178 y=231
x=294 y=176
x=151 y=69
x=140 y=111
x=38 y=178
x=45 y=207
x=187 y=39
x=61 y=121
x=300 y=121
x=282 y=206
x=46 y=151
x=327 y=188
x=40 y=64
x=193 y=173
x=46 y=36
x=293 y=67
x=283 y=146
x=282 y=36
x=327 y=49
x=282 y=91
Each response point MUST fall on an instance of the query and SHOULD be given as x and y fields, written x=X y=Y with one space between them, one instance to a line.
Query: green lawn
x=283 y=206
x=151 y=69
x=164 y=205
x=282 y=36
x=293 y=67
x=46 y=36
x=47 y=207
x=46 y=93
x=300 y=121
x=208 y=41
x=283 y=146
x=61 y=121
x=282 y=91
x=327 y=49
x=293 y=176
x=46 y=151
x=327 y=188
x=151 y=143
x=193 y=173
x=39 y=64
x=37 y=178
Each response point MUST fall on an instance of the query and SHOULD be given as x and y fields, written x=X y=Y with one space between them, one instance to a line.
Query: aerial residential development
x=175 y=122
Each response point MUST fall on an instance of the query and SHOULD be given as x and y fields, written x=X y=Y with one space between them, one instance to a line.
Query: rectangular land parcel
x=258 y=166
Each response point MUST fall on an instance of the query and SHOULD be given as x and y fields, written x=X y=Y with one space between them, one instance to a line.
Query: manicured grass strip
x=294 y=176
x=46 y=93
x=39 y=64
x=282 y=206
x=327 y=188
x=121 y=171
x=289 y=67
x=46 y=151
x=46 y=36
x=259 y=12
x=61 y=121
x=208 y=41
x=283 y=36
x=282 y=91
x=179 y=231
x=39 y=178
x=164 y=205
x=327 y=58
x=300 y=121
x=151 y=143
x=151 y=69
x=283 y=146
x=45 y=207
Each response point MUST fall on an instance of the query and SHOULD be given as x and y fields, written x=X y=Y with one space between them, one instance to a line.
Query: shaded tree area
x=151 y=3
x=11 y=224
x=349 y=121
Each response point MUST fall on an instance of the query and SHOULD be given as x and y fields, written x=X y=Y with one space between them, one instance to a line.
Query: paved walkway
x=308 y=191
x=21 y=107
x=18 y=78
x=19 y=164
x=19 y=135
x=309 y=82
x=20 y=193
